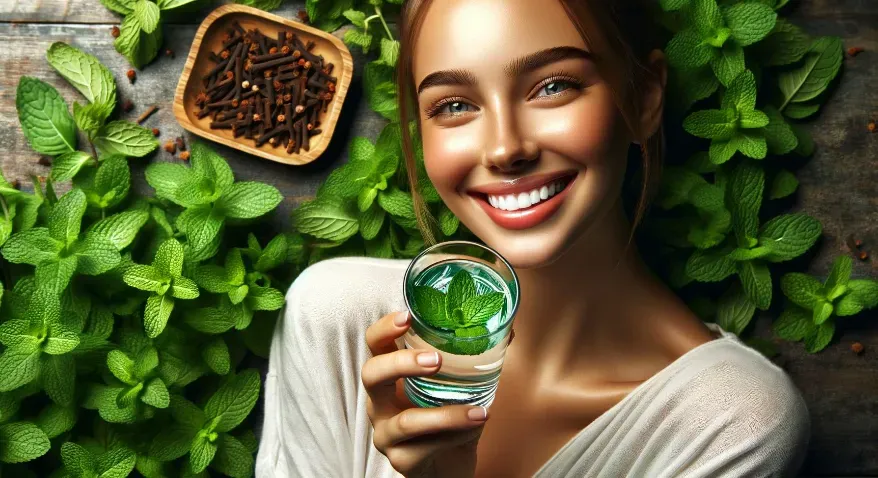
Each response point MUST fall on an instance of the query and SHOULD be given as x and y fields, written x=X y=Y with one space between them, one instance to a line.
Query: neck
x=577 y=306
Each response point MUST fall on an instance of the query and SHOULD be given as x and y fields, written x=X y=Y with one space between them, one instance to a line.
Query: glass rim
x=444 y=333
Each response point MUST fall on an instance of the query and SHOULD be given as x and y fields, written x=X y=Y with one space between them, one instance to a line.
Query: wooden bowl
x=209 y=39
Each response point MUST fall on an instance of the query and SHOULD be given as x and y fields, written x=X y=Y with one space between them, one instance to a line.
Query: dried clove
x=857 y=348
x=146 y=114
x=132 y=75
x=267 y=88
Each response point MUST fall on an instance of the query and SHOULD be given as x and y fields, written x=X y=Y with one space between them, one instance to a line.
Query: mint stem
x=5 y=209
x=381 y=17
x=94 y=152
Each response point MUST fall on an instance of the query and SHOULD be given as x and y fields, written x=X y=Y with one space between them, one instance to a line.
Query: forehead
x=484 y=35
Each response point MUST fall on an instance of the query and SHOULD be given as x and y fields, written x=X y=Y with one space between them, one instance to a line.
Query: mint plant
x=140 y=35
x=460 y=310
x=815 y=303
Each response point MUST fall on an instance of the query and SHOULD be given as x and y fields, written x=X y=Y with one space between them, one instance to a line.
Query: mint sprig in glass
x=463 y=297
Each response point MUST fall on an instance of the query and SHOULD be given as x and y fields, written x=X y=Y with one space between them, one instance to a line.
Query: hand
x=419 y=442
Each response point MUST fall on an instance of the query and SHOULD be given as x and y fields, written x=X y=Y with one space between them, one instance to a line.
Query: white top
x=721 y=409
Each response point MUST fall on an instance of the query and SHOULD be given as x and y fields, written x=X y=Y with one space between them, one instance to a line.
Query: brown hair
x=620 y=35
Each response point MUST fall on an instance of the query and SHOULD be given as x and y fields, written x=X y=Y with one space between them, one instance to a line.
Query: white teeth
x=511 y=202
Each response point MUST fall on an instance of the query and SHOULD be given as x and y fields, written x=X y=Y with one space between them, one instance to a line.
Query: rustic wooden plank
x=25 y=46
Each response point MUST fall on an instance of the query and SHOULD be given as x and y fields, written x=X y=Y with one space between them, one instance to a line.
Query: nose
x=508 y=150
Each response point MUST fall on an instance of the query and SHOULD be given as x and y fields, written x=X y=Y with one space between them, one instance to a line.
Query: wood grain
x=208 y=39
x=839 y=185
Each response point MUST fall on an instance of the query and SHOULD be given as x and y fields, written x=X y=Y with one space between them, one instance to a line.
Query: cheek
x=449 y=155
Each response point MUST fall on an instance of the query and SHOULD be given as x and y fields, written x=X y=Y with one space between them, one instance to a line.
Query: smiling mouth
x=525 y=208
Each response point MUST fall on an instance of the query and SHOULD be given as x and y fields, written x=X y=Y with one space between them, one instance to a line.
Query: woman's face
x=521 y=136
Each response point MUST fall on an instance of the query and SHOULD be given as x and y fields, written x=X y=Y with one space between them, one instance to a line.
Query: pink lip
x=524 y=218
x=520 y=185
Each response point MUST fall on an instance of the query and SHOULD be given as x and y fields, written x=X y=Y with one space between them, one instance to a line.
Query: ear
x=653 y=100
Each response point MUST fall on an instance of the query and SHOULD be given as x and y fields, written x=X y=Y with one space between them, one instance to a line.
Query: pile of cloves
x=271 y=90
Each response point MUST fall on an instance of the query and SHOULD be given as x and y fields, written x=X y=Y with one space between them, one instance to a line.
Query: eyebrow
x=519 y=66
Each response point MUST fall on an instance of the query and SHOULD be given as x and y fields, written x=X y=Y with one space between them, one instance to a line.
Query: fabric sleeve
x=315 y=423
x=734 y=422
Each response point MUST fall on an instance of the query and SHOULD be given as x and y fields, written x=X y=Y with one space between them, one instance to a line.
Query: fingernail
x=477 y=414
x=401 y=319
x=428 y=359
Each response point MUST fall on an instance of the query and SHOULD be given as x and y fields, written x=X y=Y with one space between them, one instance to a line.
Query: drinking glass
x=472 y=357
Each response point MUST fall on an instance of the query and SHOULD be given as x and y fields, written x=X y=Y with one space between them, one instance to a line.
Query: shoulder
x=344 y=293
x=738 y=402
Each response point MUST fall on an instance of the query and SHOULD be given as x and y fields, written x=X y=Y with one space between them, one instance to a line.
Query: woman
x=610 y=374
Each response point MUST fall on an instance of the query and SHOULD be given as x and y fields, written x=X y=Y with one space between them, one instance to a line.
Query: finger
x=417 y=422
x=381 y=372
x=381 y=335
x=413 y=456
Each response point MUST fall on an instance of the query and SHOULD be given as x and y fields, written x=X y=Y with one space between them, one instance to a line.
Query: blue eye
x=454 y=107
x=554 y=88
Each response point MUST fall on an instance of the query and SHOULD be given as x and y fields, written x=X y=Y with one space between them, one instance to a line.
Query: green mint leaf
x=95 y=254
x=169 y=258
x=202 y=226
x=793 y=324
x=207 y=163
x=146 y=361
x=750 y=22
x=779 y=136
x=186 y=413
x=479 y=309
x=57 y=377
x=819 y=337
x=802 y=289
x=358 y=38
x=56 y=419
x=706 y=16
x=326 y=218
x=122 y=367
x=44 y=308
x=346 y=181
x=806 y=142
x=166 y=178
x=121 y=229
x=234 y=267
x=201 y=453
x=78 y=461
x=397 y=203
x=820 y=66
x=784 y=184
x=735 y=310
x=789 y=236
x=748 y=254
x=460 y=290
x=694 y=85
x=785 y=44
x=155 y=317
x=117 y=462
x=234 y=400
x=183 y=288
x=171 y=4
x=379 y=247
x=756 y=279
x=213 y=278
x=122 y=7
x=239 y=293
x=381 y=90
x=87 y=75
x=54 y=276
x=728 y=63
x=822 y=312
x=216 y=355
x=751 y=143
x=20 y=365
x=470 y=346
x=356 y=17
x=66 y=166
x=365 y=198
x=709 y=265
x=21 y=442
x=267 y=5
x=173 y=444
x=34 y=246
x=233 y=458
x=840 y=274
x=711 y=124
x=127 y=397
x=687 y=50
x=147 y=14
x=673 y=5
x=361 y=149
x=60 y=341
x=429 y=305
x=126 y=138
x=745 y=199
x=146 y=278
x=448 y=222
x=15 y=332
x=274 y=254
x=753 y=119
x=66 y=217
x=44 y=117
x=265 y=298
x=389 y=52
x=864 y=292
x=88 y=118
x=800 y=110
x=722 y=150
x=156 y=394
x=137 y=46
x=247 y=200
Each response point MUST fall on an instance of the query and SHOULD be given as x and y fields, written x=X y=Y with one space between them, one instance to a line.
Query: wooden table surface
x=839 y=185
